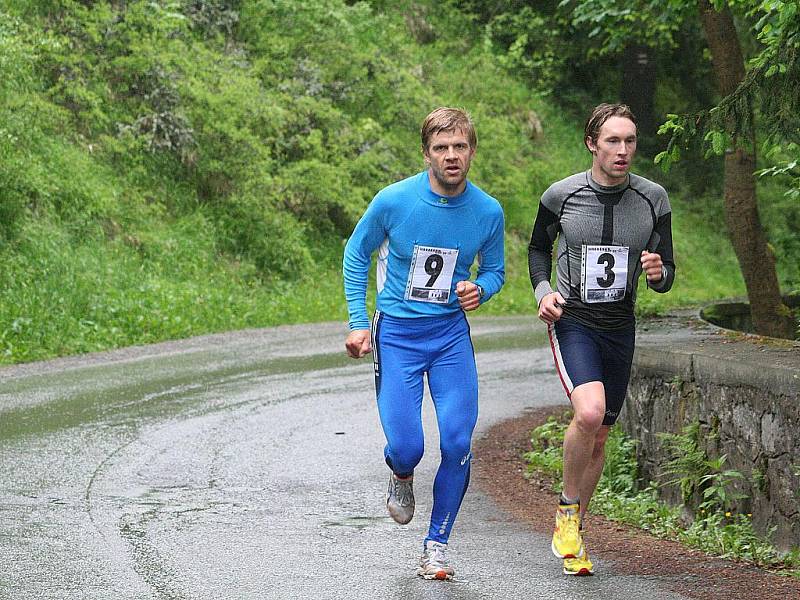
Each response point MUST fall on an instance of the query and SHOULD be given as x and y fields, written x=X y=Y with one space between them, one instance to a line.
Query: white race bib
x=604 y=273
x=431 y=274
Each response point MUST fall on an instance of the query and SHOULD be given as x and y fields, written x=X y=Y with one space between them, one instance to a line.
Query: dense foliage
x=715 y=526
x=579 y=51
x=178 y=167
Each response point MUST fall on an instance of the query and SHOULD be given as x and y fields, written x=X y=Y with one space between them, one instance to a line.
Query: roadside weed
x=707 y=489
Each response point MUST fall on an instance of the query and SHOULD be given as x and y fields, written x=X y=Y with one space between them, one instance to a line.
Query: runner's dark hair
x=601 y=114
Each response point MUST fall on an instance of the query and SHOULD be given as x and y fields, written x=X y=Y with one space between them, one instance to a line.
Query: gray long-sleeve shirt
x=601 y=233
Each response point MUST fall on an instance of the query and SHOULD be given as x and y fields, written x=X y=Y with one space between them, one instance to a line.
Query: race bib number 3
x=431 y=274
x=604 y=273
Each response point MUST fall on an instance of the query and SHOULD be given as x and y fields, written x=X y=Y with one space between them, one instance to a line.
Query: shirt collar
x=431 y=197
x=607 y=189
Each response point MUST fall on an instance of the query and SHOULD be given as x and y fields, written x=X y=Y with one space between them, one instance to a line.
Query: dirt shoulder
x=499 y=470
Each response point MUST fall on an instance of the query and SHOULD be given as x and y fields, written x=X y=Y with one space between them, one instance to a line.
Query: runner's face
x=614 y=151
x=448 y=156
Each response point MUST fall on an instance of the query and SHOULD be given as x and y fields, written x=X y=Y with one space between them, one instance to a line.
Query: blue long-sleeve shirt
x=427 y=243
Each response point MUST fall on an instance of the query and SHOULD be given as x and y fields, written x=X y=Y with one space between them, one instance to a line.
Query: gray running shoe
x=433 y=562
x=400 y=500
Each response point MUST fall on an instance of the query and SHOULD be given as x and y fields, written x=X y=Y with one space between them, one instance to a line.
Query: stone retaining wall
x=748 y=409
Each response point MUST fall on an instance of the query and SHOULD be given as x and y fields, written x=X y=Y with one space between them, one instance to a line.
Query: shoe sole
x=557 y=555
x=584 y=572
x=398 y=518
x=439 y=575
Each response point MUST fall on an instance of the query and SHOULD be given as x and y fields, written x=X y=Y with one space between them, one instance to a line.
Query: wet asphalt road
x=249 y=465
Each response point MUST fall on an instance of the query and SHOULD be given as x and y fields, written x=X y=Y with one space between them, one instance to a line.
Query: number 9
x=433 y=267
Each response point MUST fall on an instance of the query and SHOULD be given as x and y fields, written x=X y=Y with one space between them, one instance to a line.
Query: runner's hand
x=550 y=308
x=652 y=266
x=358 y=343
x=468 y=296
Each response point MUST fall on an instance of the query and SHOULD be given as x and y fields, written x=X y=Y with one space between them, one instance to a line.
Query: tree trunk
x=756 y=261
x=639 y=87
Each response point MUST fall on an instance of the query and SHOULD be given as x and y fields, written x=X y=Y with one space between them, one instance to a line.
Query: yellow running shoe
x=567 y=540
x=579 y=566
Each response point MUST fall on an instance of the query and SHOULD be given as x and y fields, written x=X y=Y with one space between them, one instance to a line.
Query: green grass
x=239 y=218
x=61 y=297
x=715 y=530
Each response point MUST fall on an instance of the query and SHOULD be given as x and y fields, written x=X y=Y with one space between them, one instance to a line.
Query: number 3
x=608 y=280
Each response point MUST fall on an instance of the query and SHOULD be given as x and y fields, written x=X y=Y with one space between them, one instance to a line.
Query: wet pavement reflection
x=249 y=465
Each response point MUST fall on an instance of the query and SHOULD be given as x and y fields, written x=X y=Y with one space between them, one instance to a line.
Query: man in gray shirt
x=611 y=225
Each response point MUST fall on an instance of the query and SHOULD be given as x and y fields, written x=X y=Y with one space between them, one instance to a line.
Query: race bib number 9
x=431 y=274
x=604 y=273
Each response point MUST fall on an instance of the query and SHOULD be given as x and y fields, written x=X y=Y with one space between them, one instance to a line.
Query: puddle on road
x=358 y=522
x=137 y=399
x=524 y=338
x=134 y=403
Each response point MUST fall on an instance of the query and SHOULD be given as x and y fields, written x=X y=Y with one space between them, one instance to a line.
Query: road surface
x=249 y=465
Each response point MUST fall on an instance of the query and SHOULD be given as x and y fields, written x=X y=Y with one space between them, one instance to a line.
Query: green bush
x=246 y=138
x=271 y=239
x=716 y=529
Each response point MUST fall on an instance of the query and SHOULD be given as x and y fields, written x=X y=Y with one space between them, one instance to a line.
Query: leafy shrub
x=264 y=127
x=213 y=16
x=716 y=529
x=272 y=239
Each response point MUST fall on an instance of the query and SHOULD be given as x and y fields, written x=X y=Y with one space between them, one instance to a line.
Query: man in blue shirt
x=428 y=231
